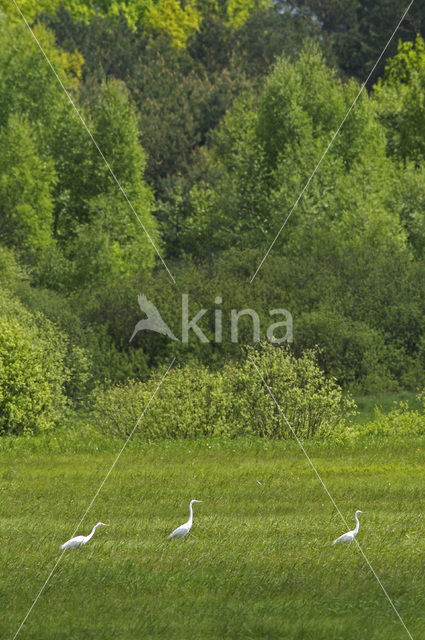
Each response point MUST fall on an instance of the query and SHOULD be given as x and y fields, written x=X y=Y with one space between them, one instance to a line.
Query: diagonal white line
x=331 y=142
x=94 y=142
x=94 y=497
x=330 y=497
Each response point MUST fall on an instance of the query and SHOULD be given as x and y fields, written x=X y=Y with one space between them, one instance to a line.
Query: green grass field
x=259 y=563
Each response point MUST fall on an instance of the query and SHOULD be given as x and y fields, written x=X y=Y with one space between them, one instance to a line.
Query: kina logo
x=276 y=332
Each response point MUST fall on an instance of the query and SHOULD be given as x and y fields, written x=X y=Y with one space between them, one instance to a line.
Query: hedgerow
x=194 y=401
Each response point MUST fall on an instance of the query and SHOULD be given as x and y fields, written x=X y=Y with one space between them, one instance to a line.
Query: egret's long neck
x=190 y=514
x=92 y=532
x=356 y=530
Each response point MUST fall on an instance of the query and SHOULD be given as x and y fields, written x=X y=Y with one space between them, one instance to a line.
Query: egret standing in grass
x=350 y=535
x=184 y=529
x=76 y=542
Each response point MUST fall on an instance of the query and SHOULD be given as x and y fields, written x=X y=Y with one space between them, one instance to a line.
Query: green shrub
x=32 y=372
x=79 y=340
x=311 y=403
x=92 y=355
x=400 y=421
x=185 y=406
x=193 y=401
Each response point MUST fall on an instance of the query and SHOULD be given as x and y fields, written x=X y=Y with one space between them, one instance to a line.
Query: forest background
x=212 y=116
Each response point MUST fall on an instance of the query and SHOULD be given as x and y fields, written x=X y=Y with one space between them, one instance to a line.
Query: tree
x=263 y=155
x=400 y=97
x=27 y=86
x=26 y=187
x=100 y=233
x=171 y=17
x=355 y=32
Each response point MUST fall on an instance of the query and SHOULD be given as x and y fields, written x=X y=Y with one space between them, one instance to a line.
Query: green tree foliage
x=263 y=155
x=55 y=184
x=171 y=17
x=26 y=186
x=197 y=412
x=29 y=8
x=407 y=198
x=400 y=98
x=94 y=351
x=32 y=115
x=111 y=244
x=362 y=306
x=98 y=229
x=227 y=153
x=266 y=35
x=12 y=273
x=85 y=350
x=102 y=237
x=351 y=351
x=179 y=99
x=177 y=110
x=234 y=13
x=355 y=32
x=60 y=207
x=132 y=10
x=27 y=86
x=238 y=11
x=178 y=20
x=312 y=404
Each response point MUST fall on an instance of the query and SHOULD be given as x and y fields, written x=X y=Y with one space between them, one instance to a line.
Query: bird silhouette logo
x=153 y=322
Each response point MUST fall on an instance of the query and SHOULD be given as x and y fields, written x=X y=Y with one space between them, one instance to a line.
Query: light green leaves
x=26 y=185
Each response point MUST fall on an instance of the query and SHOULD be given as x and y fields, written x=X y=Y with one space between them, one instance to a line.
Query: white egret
x=350 y=535
x=184 y=529
x=76 y=542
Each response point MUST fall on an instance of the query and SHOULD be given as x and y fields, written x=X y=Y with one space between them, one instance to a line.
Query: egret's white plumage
x=350 y=535
x=184 y=529
x=76 y=542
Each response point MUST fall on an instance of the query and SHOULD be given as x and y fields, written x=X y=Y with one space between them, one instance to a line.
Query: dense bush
x=189 y=403
x=193 y=401
x=32 y=371
x=303 y=397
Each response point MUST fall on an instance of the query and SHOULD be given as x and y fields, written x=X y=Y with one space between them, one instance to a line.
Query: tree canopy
x=212 y=117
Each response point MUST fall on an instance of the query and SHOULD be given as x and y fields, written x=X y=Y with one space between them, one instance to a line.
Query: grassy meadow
x=258 y=562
